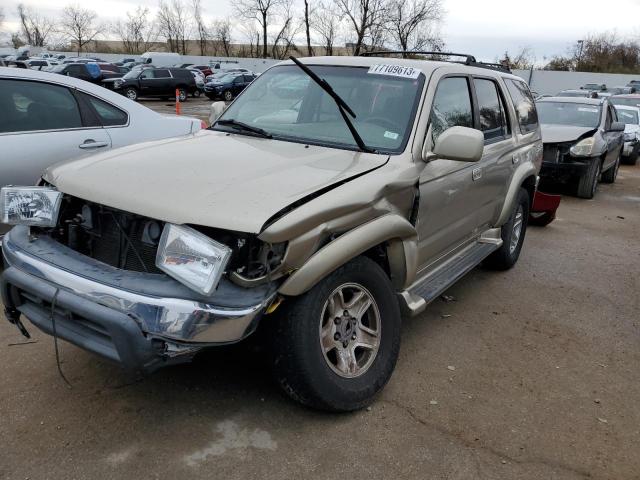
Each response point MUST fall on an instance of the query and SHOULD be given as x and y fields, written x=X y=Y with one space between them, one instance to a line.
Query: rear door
x=41 y=124
x=164 y=82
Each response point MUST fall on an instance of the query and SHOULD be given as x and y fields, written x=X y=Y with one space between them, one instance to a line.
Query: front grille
x=120 y=239
x=555 y=152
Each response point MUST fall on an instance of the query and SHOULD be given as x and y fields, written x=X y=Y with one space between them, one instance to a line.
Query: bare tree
x=414 y=23
x=201 y=28
x=34 y=28
x=174 y=25
x=222 y=36
x=522 y=60
x=326 y=23
x=365 y=16
x=79 y=25
x=1 y=17
x=16 y=40
x=283 y=41
x=136 y=32
x=261 y=11
x=307 y=28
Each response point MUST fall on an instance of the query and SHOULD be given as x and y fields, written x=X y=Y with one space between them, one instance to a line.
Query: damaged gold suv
x=332 y=196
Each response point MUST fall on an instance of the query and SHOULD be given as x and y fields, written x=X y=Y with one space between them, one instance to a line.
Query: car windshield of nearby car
x=286 y=103
x=628 y=116
x=565 y=113
x=628 y=102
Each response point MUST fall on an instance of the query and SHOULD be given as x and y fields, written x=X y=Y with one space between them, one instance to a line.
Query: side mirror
x=462 y=144
x=217 y=109
x=617 y=127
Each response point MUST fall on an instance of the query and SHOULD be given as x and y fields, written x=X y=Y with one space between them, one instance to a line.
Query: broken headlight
x=584 y=148
x=35 y=206
x=192 y=258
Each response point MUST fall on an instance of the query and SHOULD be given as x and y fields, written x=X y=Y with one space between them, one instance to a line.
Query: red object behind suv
x=206 y=69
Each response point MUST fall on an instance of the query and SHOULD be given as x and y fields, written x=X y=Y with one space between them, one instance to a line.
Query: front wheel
x=228 y=95
x=182 y=95
x=512 y=234
x=131 y=93
x=337 y=345
x=196 y=93
x=588 y=182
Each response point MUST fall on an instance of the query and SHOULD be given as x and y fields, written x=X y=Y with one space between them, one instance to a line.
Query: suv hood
x=563 y=133
x=213 y=179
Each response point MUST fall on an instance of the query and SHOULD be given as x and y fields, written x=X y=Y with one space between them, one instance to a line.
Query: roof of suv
x=426 y=66
x=581 y=100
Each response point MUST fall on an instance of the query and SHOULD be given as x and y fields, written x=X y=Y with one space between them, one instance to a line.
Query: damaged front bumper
x=138 y=320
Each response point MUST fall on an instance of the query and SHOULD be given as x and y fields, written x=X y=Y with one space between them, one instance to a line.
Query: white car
x=630 y=116
x=41 y=63
x=46 y=118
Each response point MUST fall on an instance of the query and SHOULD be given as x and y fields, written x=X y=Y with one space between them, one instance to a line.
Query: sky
x=484 y=28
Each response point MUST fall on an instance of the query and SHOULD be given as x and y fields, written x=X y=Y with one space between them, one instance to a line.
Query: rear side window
x=491 y=110
x=523 y=104
x=109 y=115
x=32 y=106
x=451 y=106
x=161 y=73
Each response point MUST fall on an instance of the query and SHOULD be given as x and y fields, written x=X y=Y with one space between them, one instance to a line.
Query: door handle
x=90 y=144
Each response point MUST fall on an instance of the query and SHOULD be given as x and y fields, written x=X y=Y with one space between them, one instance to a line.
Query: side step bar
x=415 y=299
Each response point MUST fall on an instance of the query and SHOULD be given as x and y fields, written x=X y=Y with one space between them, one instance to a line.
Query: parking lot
x=530 y=373
x=194 y=107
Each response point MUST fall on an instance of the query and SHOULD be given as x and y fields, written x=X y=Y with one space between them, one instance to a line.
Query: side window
x=524 y=105
x=33 y=106
x=109 y=115
x=451 y=106
x=149 y=73
x=238 y=80
x=491 y=110
x=161 y=73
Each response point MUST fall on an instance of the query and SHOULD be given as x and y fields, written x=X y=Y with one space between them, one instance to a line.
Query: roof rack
x=469 y=60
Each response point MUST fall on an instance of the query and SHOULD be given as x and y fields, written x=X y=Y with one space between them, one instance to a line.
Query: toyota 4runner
x=320 y=212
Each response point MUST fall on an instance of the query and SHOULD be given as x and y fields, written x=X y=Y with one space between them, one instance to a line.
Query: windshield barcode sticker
x=395 y=71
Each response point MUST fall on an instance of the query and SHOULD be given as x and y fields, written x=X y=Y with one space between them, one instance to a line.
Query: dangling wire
x=55 y=336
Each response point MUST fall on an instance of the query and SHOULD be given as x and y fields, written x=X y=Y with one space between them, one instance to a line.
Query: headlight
x=584 y=148
x=30 y=206
x=192 y=258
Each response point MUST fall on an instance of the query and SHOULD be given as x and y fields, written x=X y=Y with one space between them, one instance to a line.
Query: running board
x=415 y=299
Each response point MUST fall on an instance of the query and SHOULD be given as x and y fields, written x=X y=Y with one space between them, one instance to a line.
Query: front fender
x=522 y=173
x=391 y=228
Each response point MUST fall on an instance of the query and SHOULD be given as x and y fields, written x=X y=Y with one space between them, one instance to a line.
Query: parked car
x=629 y=100
x=228 y=87
x=205 y=69
x=40 y=64
x=88 y=71
x=124 y=61
x=327 y=227
x=594 y=86
x=630 y=116
x=47 y=118
x=221 y=73
x=577 y=94
x=155 y=82
x=199 y=78
x=160 y=59
x=583 y=142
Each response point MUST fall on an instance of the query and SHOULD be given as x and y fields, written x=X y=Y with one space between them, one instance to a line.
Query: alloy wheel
x=350 y=328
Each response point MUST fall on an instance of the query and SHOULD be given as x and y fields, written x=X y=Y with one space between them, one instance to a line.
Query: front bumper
x=629 y=147
x=565 y=170
x=140 y=321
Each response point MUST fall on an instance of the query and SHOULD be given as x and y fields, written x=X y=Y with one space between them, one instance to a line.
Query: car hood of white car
x=229 y=181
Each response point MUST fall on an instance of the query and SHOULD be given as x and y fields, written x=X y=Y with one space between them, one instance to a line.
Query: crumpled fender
x=402 y=251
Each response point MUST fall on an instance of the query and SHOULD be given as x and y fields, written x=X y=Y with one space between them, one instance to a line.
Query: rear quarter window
x=524 y=105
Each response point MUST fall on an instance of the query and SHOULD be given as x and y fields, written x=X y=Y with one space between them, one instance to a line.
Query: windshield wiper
x=342 y=105
x=246 y=127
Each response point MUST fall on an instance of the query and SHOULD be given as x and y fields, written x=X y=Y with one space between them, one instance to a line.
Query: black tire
x=228 y=95
x=301 y=366
x=131 y=93
x=196 y=93
x=183 y=96
x=610 y=175
x=633 y=158
x=588 y=182
x=512 y=239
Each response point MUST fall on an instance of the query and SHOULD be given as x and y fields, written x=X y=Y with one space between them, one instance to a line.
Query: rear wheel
x=337 y=345
x=610 y=175
x=588 y=182
x=182 y=95
x=512 y=234
x=197 y=93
